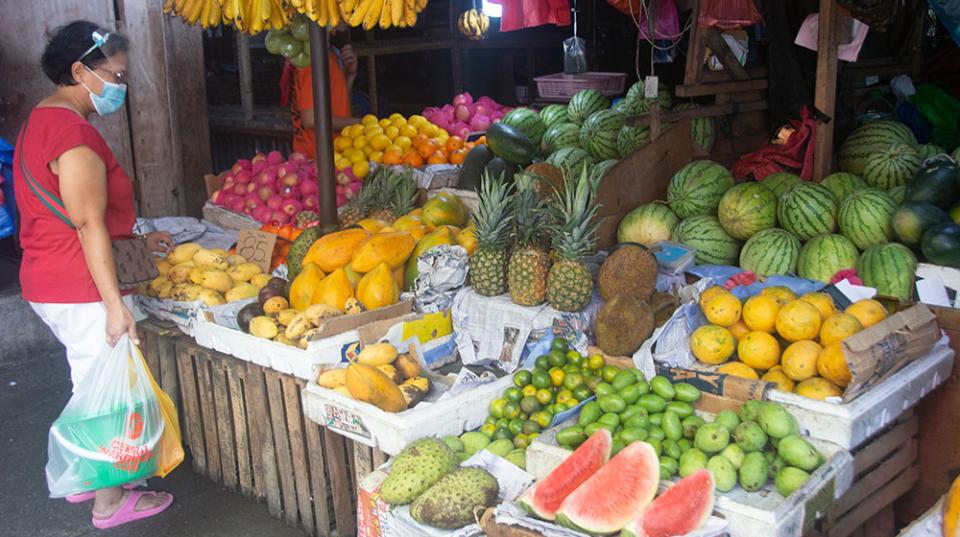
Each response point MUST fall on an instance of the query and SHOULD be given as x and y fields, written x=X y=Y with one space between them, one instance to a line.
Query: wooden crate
x=157 y=343
x=884 y=470
x=244 y=427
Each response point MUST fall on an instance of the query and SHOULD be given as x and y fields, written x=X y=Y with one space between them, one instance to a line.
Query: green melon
x=746 y=209
x=871 y=138
x=560 y=136
x=584 y=103
x=778 y=183
x=527 y=121
x=771 y=252
x=570 y=160
x=913 y=219
x=647 y=224
x=705 y=234
x=930 y=150
x=696 y=188
x=866 y=217
x=600 y=169
x=842 y=184
x=936 y=182
x=891 y=167
x=598 y=134
x=807 y=210
x=941 y=244
x=888 y=268
x=703 y=130
x=631 y=138
x=553 y=114
x=898 y=193
x=825 y=255
x=640 y=105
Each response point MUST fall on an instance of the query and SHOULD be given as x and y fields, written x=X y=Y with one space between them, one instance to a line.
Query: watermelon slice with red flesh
x=615 y=495
x=546 y=496
x=683 y=508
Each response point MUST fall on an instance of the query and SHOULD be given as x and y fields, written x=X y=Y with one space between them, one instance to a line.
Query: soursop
x=451 y=501
x=298 y=250
x=415 y=469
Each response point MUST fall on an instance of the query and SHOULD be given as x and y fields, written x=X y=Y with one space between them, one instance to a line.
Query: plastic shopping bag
x=118 y=427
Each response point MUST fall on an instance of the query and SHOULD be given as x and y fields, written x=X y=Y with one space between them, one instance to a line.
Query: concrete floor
x=32 y=393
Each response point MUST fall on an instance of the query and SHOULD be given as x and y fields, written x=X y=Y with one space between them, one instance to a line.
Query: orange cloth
x=304 y=140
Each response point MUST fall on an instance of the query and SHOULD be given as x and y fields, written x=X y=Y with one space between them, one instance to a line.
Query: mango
x=332 y=378
x=211 y=297
x=185 y=292
x=263 y=326
x=242 y=291
x=163 y=266
x=754 y=471
x=474 y=442
x=377 y=354
x=261 y=280
x=180 y=273
x=797 y=452
x=724 y=474
x=304 y=285
x=243 y=272
x=196 y=275
x=182 y=253
x=317 y=313
x=790 y=479
x=369 y=384
x=217 y=280
x=209 y=259
x=378 y=288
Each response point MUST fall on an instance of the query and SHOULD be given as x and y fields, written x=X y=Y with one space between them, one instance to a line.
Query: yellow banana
x=178 y=6
x=396 y=11
x=193 y=10
x=297 y=4
x=346 y=8
x=360 y=12
x=215 y=15
x=421 y=5
x=278 y=16
x=372 y=16
x=167 y=6
x=385 y=15
x=334 y=12
x=320 y=12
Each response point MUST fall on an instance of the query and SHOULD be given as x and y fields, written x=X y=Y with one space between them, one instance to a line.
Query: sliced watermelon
x=615 y=495
x=683 y=508
x=546 y=496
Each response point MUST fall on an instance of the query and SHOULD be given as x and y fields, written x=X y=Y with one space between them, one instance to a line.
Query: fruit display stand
x=158 y=340
x=228 y=219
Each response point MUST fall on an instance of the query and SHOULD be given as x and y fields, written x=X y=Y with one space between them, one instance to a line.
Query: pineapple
x=574 y=236
x=488 y=265
x=529 y=263
x=357 y=209
x=398 y=197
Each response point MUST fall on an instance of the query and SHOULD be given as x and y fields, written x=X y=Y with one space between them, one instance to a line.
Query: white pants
x=82 y=329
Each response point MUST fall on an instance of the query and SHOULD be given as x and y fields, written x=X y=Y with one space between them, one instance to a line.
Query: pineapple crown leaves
x=573 y=213
x=494 y=215
x=405 y=195
x=529 y=212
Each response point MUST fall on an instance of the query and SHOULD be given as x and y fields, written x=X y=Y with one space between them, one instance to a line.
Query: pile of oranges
x=397 y=140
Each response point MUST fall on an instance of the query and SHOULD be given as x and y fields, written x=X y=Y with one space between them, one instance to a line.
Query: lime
x=522 y=378
x=596 y=362
x=602 y=389
x=581 y=392
x=543 y=418
x=545 y=396
x=502 y=423
x=572 y=381
x=530 y=405
x=521 y=441
x=529 y=389
x=496 y=407
x=574 y=357
x=586 y=371
x=530 y=427
x=515 y=427
x=491 y=420
x=541 y=379
x=557 y=358
x=488 y=430
x=542 y=362
x=571 y=368
x=502 y=432
x=511 y=410
x=560 y=407
x=558 y=344
x=609 y=373
x=564 y=396
x=513 y=394
x=556 y=376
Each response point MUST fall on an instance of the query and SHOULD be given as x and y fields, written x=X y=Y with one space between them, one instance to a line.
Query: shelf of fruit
x=214 y=277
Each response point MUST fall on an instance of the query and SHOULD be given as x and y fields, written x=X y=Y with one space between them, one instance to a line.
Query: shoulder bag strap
x=46 y=197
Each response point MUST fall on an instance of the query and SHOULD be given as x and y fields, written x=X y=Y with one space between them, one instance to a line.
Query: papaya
x=334 y=290
x=304 y=285
x=352 y=275
x=369 y=384
x=407 y=222
x=444 y=209
x=378 y=288
x=441 y=235
x=391 y=248
x=335 y=250
x=398 y=276
x=418 y=232
x=373 y=225
x=468 y=239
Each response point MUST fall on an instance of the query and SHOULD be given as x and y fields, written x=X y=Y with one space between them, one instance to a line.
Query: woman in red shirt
x=68 y=274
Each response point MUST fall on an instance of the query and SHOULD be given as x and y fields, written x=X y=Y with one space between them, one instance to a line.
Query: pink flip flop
x=128 y=511
x=81 y=497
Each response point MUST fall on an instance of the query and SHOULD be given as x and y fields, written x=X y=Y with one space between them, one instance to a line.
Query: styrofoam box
x=748 y=514
x=304 y=364
x=391 y=432
x=849 y=425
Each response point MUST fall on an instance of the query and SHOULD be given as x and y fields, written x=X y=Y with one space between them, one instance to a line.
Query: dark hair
x=66 y=46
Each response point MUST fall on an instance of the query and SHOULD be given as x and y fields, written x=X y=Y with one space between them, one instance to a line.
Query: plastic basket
x=564 y=86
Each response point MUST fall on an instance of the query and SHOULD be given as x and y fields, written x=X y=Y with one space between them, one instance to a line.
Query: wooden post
x=826 y=90
x=695 y=51
x=323 y=124
x=246 y=74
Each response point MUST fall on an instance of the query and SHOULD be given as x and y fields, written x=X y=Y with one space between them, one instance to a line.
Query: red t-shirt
x=304 y=140
x=54 y=269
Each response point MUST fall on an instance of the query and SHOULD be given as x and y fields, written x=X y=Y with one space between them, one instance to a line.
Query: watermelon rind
x=746 y=209
x=548 y=494
x=629 y=139
x=598 y=134
x=696 y=188
x=888 y=268
x=584 y=103
x=842 y=184
x=684 y=507
x=807 y=210
x=779 y=183
x=705 y=234
x=527 y=121
x=560 y=136
x=869 y=139
x=771 y=252
x=913 y=219
x=647 y=224
x=891 y=167
x=570 y=160
x=825 y=255
x=866 y=217
x=553 y=114
x=616 y=494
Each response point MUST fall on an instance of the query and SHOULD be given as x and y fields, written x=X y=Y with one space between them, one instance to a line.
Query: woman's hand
x=349 y=59
x=160 y=241
x=119 y=322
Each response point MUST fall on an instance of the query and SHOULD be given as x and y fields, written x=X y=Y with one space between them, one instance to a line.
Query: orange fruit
x=800 y=360
x=868 y=311
x=760 y=312
x=419 y=140
x=832 y=365
x=437 y=158
x=722 y=309
x=458 y=156
x=798 y=320
x=392 y=156
x=738 y=369
x=759 y=350
x=712 y=344
x=783 y=382
x=454 y=143
x=817 y=388
x=413 y=159
x=739 y=329
x=709 y=293
x=838 y=327
x=782 y=293
x=822 y=301
x=426 y=149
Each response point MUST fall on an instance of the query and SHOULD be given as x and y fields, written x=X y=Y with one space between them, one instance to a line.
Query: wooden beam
x=723 y=53
x=695 y=52
x=703 y=111
x=734 y=86
x=826 y=88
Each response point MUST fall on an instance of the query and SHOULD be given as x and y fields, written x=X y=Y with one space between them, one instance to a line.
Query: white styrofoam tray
x=851 y=424
x=748 y=514
x=391 y=432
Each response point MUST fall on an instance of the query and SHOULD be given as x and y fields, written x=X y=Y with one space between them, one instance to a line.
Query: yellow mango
x=369 y=384
x=241 y=291
x=304 y=285
x=182 y=253
x=209 y=259
x=378 y=288
x=335 y=250
x=391 y=248
x=334 y=290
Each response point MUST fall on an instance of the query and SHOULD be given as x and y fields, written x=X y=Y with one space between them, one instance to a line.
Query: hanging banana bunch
x=248 y=16
x=379 y=13
x=474 y=24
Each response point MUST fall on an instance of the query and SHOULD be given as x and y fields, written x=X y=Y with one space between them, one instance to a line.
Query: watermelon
x=869 y=139
x=570 y=160
x=941 y=244
x=616 y=494
x=631 y=138
x=889 y=268
x=647 y=224
x=746 y=209
x=930 y=150
x=553 y=114
x=770 y=252
x=936 y=183
x=703 y=130
x=706 y=235
x=898 y=193
x=510 y=144
x=640 y=105
x=559 y=136
x=696 y=188
x=825 y=255
x=527 y=121
x=913 y=219
x=778 y=183
x=893 y=166
x=681 y=509
x=807 y=210
x=598 y=134
x=585 y=103
x=866 y=217
x=600 y=169
x=548 y=494
x=623 y=106
x=842 y=184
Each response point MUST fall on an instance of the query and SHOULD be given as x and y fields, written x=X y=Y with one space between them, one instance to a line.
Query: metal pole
x=323 y=124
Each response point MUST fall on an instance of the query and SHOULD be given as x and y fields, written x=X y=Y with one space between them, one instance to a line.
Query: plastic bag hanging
x=574 y=50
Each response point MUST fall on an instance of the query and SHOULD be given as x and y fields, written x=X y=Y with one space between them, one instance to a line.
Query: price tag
x=651 y=84
x=257 y=247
